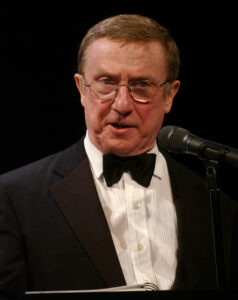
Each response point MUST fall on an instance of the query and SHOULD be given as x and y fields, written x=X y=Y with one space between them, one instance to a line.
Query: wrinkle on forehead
x=136 y=57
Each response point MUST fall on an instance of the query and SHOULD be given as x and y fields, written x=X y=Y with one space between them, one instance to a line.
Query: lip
x=120 y=128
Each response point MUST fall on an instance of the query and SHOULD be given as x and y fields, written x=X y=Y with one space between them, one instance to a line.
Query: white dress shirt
x=142 y=221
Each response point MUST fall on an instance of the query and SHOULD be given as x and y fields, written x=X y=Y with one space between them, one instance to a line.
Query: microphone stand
x=212 y=168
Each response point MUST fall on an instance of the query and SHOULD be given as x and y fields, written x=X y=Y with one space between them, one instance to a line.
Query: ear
x=169 y=97
x=79 y=81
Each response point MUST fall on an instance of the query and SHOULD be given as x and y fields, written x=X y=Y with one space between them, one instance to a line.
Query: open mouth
x=120 y=126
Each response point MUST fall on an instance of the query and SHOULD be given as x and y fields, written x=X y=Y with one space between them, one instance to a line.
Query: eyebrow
x=103 y=72
x=116 y=77
x=142 y=78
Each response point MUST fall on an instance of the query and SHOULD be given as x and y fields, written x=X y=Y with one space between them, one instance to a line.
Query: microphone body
x=178 y=140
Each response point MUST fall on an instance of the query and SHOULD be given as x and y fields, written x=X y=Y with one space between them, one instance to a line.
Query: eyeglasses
x=141 y=91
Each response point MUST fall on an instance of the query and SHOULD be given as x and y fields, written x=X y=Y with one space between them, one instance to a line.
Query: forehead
x=118 y=56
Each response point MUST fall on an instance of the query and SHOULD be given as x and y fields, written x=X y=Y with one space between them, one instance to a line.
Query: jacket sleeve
x=13 y=267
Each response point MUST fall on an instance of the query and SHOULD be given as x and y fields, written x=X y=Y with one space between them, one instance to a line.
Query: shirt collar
x=95 y=158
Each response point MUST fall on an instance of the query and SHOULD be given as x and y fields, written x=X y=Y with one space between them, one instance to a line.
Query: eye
x=140 y=84
x=107 y=81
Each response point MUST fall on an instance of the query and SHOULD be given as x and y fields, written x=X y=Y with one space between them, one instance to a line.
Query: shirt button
x=140 y=247
x=136 y=204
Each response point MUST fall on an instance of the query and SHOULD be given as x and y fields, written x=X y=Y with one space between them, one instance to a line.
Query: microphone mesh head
x=172 y=139
x=164 y=137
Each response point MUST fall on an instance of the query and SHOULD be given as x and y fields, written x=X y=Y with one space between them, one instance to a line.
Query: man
x=66 y=224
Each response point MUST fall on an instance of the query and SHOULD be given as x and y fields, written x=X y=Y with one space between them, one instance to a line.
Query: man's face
x=123 y=126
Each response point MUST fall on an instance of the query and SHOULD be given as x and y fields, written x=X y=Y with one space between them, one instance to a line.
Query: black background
x=40 y=106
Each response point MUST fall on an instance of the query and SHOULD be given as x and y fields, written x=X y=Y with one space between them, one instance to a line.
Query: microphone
x=180 y=141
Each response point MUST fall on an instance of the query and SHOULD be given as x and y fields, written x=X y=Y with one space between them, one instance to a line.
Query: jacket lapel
x=195 y=248
x=77 y=197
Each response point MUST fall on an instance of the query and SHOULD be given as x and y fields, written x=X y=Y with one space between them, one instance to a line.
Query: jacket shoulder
x=59 y=163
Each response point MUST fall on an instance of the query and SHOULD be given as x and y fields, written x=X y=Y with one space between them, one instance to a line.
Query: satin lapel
x=195 y=248
x=77 y=197
x=181 y=272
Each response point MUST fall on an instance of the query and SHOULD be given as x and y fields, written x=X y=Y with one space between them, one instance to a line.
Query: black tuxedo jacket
x=54 y=236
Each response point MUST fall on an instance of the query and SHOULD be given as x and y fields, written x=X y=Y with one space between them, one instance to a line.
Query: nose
x=123 y=103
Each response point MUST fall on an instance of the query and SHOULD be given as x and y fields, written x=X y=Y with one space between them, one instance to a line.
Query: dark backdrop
x=39 y=104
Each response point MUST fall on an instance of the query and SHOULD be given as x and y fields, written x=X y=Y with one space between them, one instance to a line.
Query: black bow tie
x=140 y=167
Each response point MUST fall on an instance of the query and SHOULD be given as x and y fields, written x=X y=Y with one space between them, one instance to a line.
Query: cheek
x=91 y=115
x=152 y=119
x=94 y=115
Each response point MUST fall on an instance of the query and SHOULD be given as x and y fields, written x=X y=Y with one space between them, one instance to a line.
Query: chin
x=119 y=149
x=125 y=150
